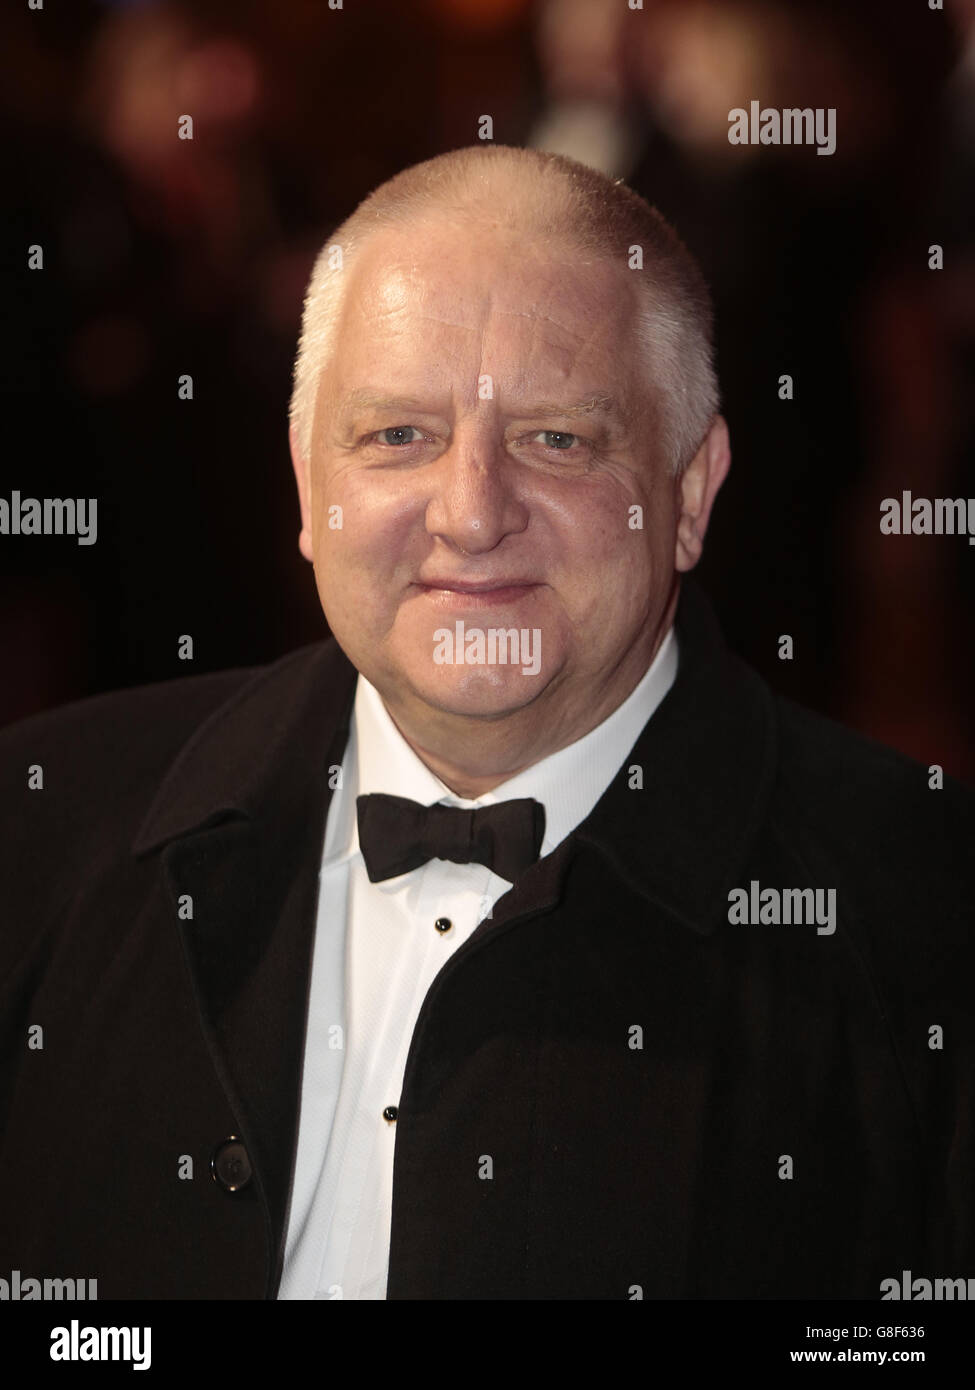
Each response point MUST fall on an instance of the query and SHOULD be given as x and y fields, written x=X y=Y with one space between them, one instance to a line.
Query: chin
x=483 y=693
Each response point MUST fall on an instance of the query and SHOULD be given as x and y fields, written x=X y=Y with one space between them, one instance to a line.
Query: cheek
x=604 y=539
x=361 y=524
x=612 y=570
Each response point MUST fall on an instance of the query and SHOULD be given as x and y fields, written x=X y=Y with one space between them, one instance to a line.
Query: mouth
x=453 y=593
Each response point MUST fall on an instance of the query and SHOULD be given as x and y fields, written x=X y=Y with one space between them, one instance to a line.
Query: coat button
x=231 y=1165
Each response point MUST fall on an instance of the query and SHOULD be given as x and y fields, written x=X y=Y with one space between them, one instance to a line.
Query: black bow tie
x=397 y=835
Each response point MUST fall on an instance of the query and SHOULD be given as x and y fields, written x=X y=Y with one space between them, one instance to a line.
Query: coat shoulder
x=898 y=826
x=77 y=780
x=94 y=749
x=828 y=758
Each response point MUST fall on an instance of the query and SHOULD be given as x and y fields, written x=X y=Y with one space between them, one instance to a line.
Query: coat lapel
x=239 y=826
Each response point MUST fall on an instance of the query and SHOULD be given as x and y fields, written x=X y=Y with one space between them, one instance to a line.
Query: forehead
x=435 y=299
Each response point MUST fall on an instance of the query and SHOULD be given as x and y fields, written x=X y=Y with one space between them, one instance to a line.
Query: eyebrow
x=596 y=404
x=592 y=405
x=365 y=399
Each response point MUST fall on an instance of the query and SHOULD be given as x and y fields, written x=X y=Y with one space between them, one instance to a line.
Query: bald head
x=540 y=199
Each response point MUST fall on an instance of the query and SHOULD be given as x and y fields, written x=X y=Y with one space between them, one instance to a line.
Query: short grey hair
x=562 y=201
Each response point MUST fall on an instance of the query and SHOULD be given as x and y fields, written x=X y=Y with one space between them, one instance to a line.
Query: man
x=667 y=995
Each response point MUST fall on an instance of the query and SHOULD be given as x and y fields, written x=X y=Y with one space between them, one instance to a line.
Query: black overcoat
x=674 y=1105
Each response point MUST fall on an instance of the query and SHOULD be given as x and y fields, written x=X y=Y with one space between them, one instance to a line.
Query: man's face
x=483 y=426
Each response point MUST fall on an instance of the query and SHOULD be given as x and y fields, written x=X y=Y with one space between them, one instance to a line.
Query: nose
x=475 y=502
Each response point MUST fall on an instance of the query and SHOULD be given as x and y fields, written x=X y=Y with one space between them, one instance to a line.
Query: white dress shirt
x=376 y=954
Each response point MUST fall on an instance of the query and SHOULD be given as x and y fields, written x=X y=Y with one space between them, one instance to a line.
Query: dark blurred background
x=165 y=256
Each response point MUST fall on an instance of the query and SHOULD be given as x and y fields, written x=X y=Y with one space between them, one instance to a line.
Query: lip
x=448 y=593
x=476 y=586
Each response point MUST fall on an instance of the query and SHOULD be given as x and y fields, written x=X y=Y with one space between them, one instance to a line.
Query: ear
x=302 y=477
x=698 y=489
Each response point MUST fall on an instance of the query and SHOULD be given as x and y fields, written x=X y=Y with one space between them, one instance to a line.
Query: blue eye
x=558 y=439
x=399 y=430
